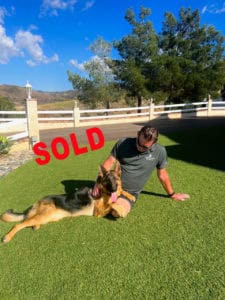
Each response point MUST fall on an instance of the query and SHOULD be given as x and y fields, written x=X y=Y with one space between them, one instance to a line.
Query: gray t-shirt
x=137 y=166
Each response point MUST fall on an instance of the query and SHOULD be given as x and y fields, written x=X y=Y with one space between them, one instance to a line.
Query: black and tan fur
x=56 y=207
x=116 y=210
x=104 y=205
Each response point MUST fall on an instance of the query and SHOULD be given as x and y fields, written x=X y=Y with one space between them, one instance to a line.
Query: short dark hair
x=149 y=133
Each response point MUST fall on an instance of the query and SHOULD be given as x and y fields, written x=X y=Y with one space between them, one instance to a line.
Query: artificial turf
x=162 y=250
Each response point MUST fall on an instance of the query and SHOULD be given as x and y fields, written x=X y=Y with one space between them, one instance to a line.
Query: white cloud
x=94 y=59
x=45 y=60
x=31 y=44
x=51 y=7
x=25 y=44
x=3 y=13
x=88 y=5
x=8 y=48
x=212 y=9
x=79 y=66
x=204 y=9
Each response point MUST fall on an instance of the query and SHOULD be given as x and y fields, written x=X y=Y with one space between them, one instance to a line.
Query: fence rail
x=127 y=112
x=84 y=117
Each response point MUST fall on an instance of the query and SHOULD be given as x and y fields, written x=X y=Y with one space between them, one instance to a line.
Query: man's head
x=147 y=136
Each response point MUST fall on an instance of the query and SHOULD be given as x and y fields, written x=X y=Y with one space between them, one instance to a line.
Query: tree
x=198 y=53
x=185 y=62
x=136 y=49
x=6 y=104
x=99 y=86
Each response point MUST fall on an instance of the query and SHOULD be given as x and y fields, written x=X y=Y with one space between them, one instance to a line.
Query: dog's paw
x=5 y=240
x=36 y=227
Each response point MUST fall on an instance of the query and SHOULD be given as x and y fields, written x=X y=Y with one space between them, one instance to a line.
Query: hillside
x=53 y=100
x=17 y=95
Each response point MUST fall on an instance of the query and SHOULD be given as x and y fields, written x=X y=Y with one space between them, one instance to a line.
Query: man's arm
x=165 y=181
x=108 y=163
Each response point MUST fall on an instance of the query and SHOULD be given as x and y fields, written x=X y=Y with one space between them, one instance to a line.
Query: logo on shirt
x=150 y=157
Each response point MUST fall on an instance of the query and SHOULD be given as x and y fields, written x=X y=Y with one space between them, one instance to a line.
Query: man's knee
x=121 y=208
x=119 y=212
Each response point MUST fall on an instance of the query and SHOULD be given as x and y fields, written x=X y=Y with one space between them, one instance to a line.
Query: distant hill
x=17 y=95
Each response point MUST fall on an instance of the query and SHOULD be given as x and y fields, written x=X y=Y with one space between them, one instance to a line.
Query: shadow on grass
x=200 y=141
x=203 y=147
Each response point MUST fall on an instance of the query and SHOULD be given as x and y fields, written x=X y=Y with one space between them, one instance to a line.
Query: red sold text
x=60 y=148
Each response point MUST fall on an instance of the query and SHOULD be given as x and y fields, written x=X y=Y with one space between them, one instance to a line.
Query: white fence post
x=151 y=109
x=209 y=107
x=32 y=121
x=76 y=114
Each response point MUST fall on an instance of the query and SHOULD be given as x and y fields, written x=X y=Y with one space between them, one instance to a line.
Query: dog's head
x=107 y=181
x=107 y=185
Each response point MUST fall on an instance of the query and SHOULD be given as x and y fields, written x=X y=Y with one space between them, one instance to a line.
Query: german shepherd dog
x=56 y=207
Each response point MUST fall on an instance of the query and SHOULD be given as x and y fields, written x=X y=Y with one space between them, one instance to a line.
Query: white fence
x=11 y=121
x=85 y=117
x=14 y=121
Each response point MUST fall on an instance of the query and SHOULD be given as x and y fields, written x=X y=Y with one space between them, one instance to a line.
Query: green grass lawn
x=162 y=250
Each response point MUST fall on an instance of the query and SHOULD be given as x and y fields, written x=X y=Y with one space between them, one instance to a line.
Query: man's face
x=142 y=144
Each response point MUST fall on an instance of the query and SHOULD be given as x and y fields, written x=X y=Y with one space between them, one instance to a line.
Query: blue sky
x=41 y=39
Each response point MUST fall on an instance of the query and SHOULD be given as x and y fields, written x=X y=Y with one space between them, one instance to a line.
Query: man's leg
x=121 y=208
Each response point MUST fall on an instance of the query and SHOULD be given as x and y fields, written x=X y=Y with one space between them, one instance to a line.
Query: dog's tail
x=10 y=216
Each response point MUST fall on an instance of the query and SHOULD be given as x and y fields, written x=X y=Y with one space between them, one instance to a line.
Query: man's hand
x=96 y=192
x=180 y=197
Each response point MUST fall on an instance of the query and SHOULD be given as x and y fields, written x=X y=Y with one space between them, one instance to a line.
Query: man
x=138 y=157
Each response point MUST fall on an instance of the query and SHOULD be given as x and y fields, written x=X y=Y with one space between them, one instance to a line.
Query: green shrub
x=5 y=145
x=6 y=104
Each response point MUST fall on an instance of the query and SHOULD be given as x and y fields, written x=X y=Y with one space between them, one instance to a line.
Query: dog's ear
x=117 y=168
x=102 y=170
